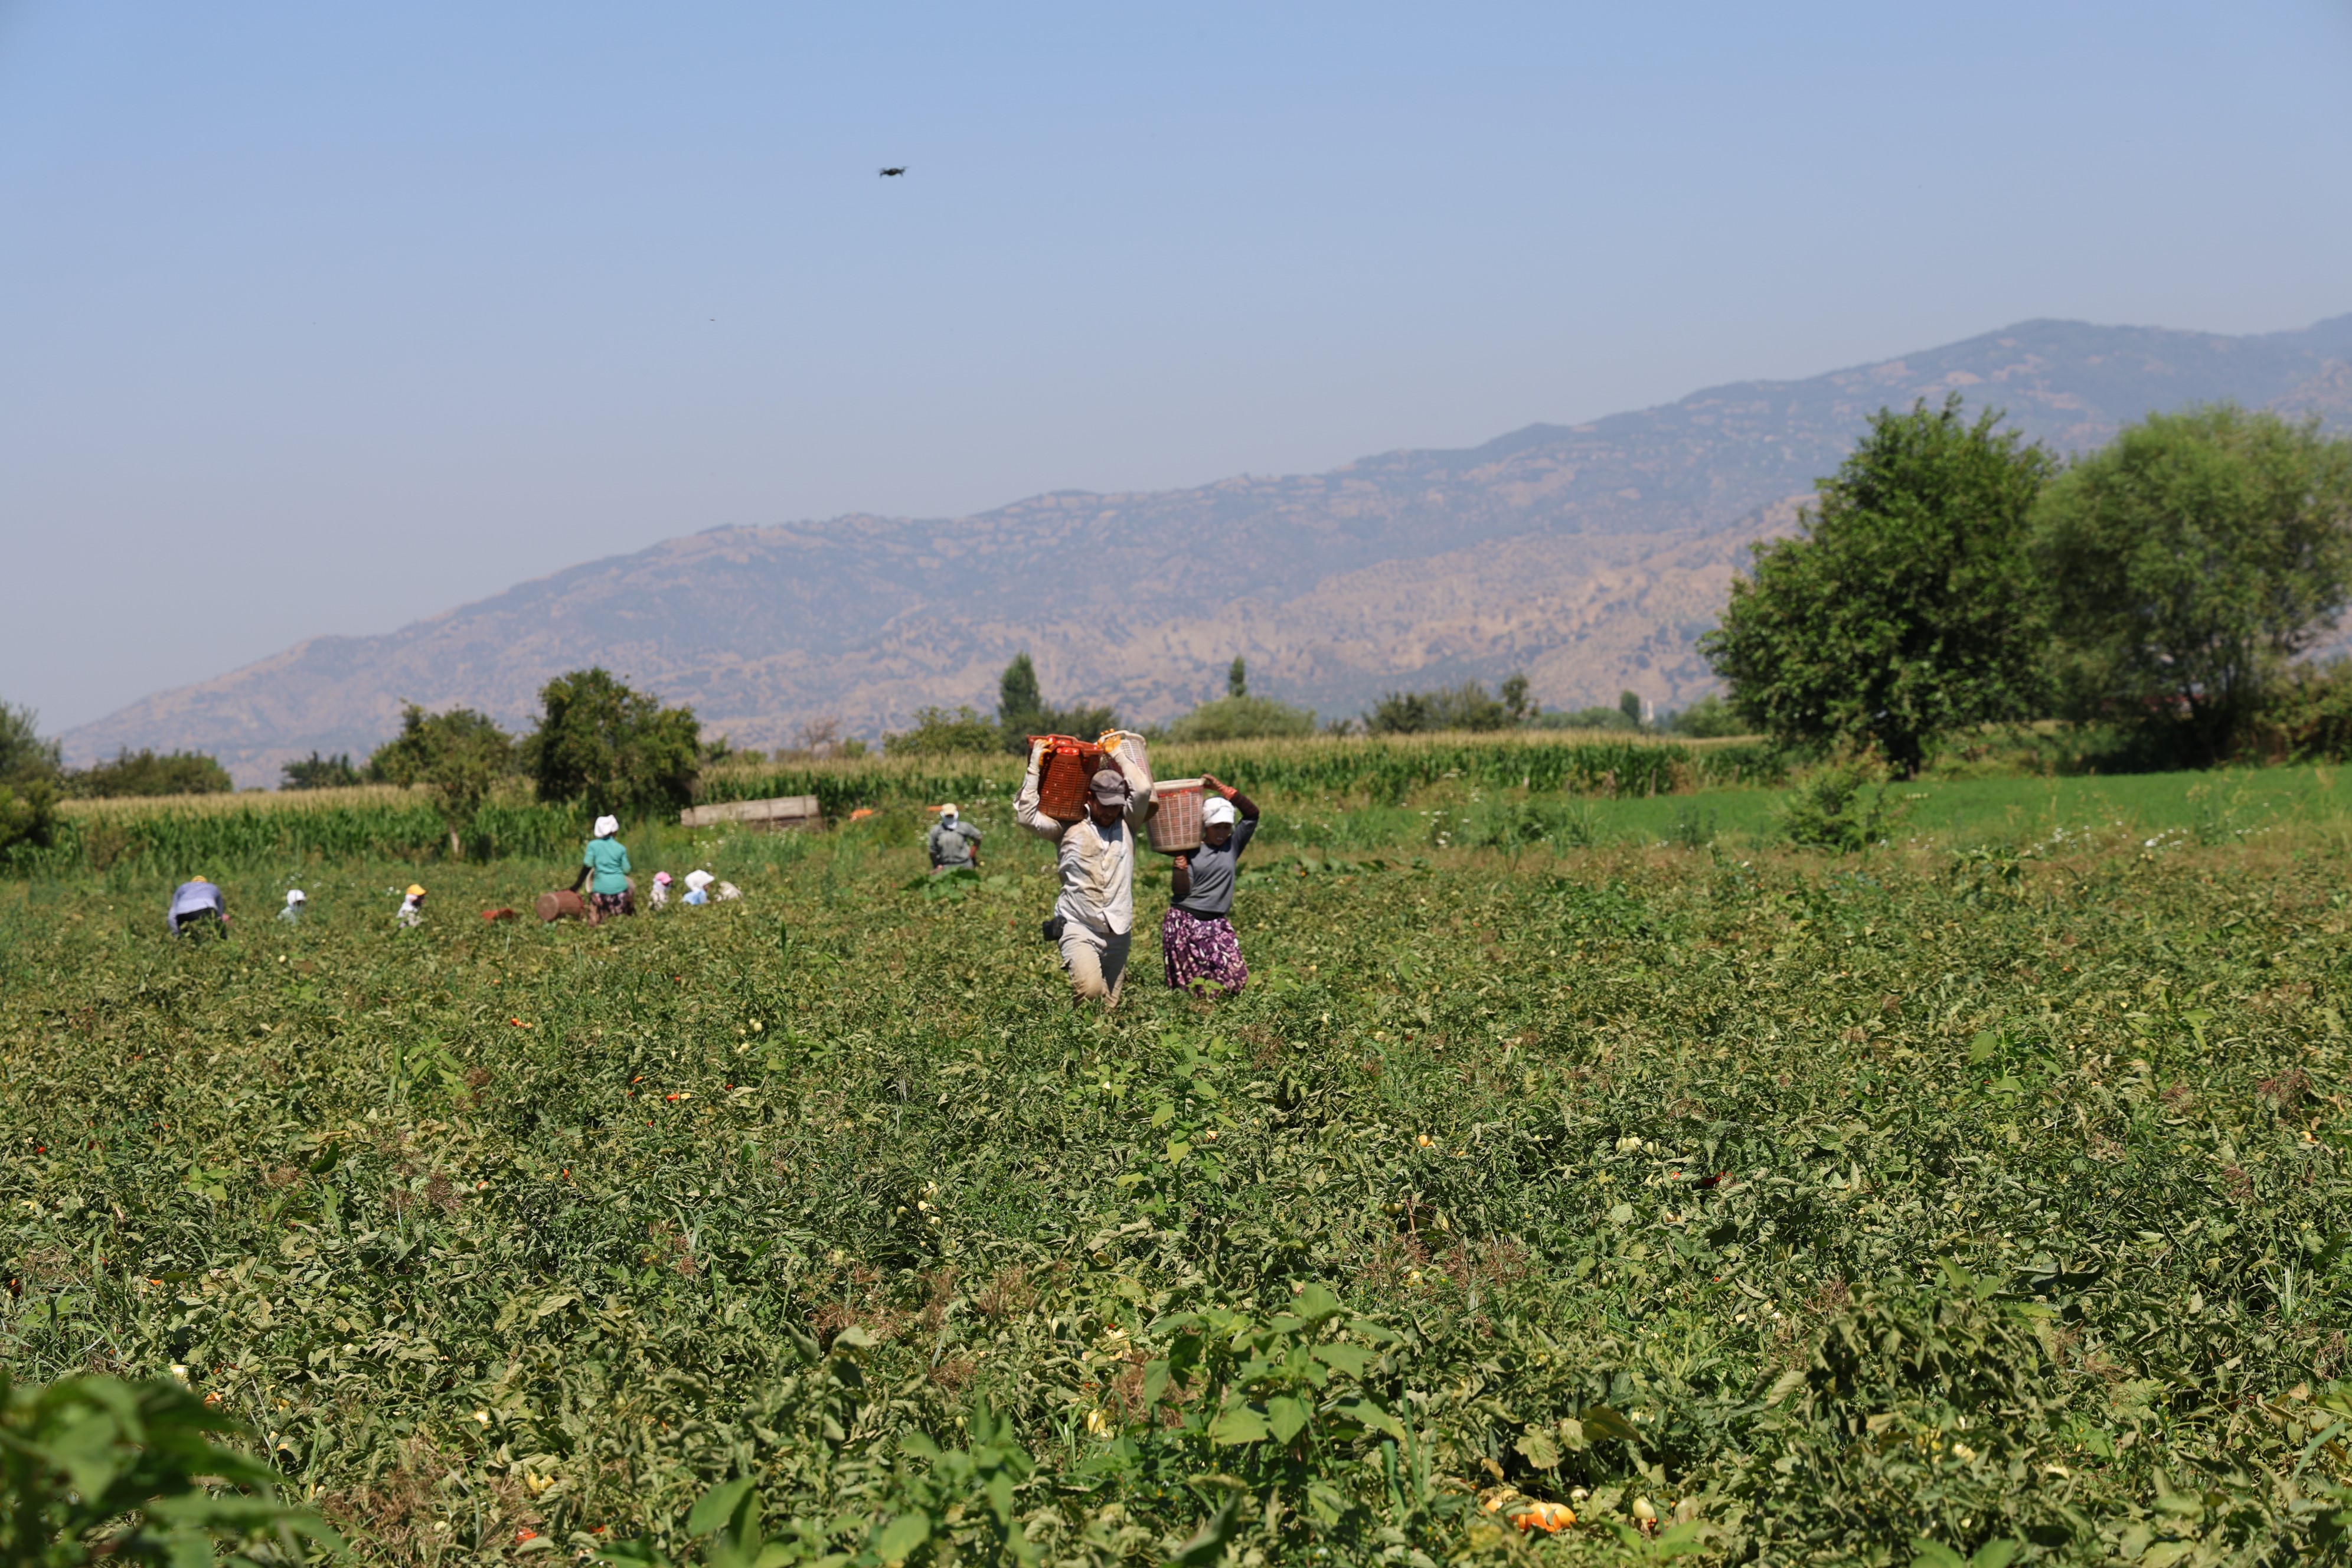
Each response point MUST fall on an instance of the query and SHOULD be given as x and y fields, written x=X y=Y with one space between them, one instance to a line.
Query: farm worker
x=1196 y=935
x=193 y=901
x=954 y=843
x=412 y=908
x=292 y=913
x=697 y=887
x=604 y=868
x=1097 y=857
x=661 y=889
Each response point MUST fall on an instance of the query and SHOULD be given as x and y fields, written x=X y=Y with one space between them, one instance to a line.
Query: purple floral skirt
x=1201 y=947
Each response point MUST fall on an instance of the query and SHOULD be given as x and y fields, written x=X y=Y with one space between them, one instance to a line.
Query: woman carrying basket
x=1196 y=936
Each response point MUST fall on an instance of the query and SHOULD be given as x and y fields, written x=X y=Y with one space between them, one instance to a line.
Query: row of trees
x=597 y=743
x=1952 y=575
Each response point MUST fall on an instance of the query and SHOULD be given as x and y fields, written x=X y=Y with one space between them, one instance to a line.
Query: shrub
x=127 y=1463
x=1465 y=707
x=1708 y=719
x=144 y=773
x=939 y=733
x=1841 y=804
x=322 y=773
x=1242 y=718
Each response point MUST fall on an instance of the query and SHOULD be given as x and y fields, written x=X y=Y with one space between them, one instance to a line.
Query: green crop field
x=1879 y=1209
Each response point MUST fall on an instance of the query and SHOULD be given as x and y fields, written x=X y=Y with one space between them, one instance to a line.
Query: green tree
x=939 y=734
x=1903 y=610
x=30 y=770
x=1629 y=703
x=2189 y=561
x=1022 y=709
x=1243 y=718
x=616 y=749
x=1707 y=718
x=1465 y=707
x=458 y=757
x=24 y=754
x=1237 y=679
x=1516 y=704
x=316 y=772
x=147 y=772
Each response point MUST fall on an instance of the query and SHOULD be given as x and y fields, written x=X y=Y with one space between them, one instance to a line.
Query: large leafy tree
x=2189 y=561
x=458 y=756
x=615 y=749
x=1903 y=611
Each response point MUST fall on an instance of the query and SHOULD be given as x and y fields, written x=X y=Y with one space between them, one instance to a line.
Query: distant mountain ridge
x=1591 y=556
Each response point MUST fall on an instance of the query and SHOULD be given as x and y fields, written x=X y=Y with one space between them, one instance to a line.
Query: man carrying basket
x=1096 y=852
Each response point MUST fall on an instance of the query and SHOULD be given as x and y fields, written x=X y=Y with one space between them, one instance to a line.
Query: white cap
x=295 y=896
x=1217 y=809
x=947 y=810
x=697 y=880
x=607 y=826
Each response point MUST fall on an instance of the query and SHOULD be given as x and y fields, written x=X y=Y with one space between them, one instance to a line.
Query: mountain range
x=1590 y=556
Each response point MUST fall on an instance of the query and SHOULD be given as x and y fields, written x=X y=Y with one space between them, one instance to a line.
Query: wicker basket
x=563 y=904
x=1067 y=771
x=1175 y=827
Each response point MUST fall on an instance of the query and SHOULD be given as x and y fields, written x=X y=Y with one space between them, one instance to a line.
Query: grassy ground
x=2207 y=809
x=1819 y=1207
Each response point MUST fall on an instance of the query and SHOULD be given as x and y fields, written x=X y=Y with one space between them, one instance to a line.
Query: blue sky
x=321 y=319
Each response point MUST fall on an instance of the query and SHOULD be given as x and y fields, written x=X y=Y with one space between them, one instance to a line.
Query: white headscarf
x=294 y=896
x=697 y=880
x=607 y=826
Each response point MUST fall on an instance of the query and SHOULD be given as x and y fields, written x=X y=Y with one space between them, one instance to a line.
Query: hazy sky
x=323 y=318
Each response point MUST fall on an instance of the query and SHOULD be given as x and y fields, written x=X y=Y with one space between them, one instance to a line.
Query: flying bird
x=887 y=174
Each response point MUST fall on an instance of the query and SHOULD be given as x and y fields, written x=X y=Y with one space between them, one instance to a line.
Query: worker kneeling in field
x=1196 y=936
x=1096 y=912
x=604 y=869
x=954 y=843
x=197 y=906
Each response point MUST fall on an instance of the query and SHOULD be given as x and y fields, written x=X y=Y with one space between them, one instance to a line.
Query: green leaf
x=1237 y=1424
x=1599 y=1421
x=1208 y=1544
x=1353 y=1360
x=1316 y=1304
x=1285 y=1416
x=1932 y=1554
x=902 y=1535
x=1539 y=1450
x=716 y=1506
x=1983 y=1049
x=1996 y=1553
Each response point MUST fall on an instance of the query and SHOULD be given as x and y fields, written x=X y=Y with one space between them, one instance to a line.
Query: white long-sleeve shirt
x=1098 y=864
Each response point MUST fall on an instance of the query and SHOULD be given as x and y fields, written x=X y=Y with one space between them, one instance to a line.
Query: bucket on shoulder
x=1175 y=826
x=1064 y=775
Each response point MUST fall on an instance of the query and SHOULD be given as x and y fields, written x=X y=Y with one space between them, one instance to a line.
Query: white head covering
x=1217 y=809
x=294 y=896
x=607 y=826
x=947 y=812
x=697 y=880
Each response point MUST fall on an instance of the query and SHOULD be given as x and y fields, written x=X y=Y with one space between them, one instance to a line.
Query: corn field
x=192 y=832
x=1383 y=770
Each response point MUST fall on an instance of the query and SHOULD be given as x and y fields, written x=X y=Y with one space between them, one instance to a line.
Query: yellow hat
x=414 y=892
x=196 y=878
